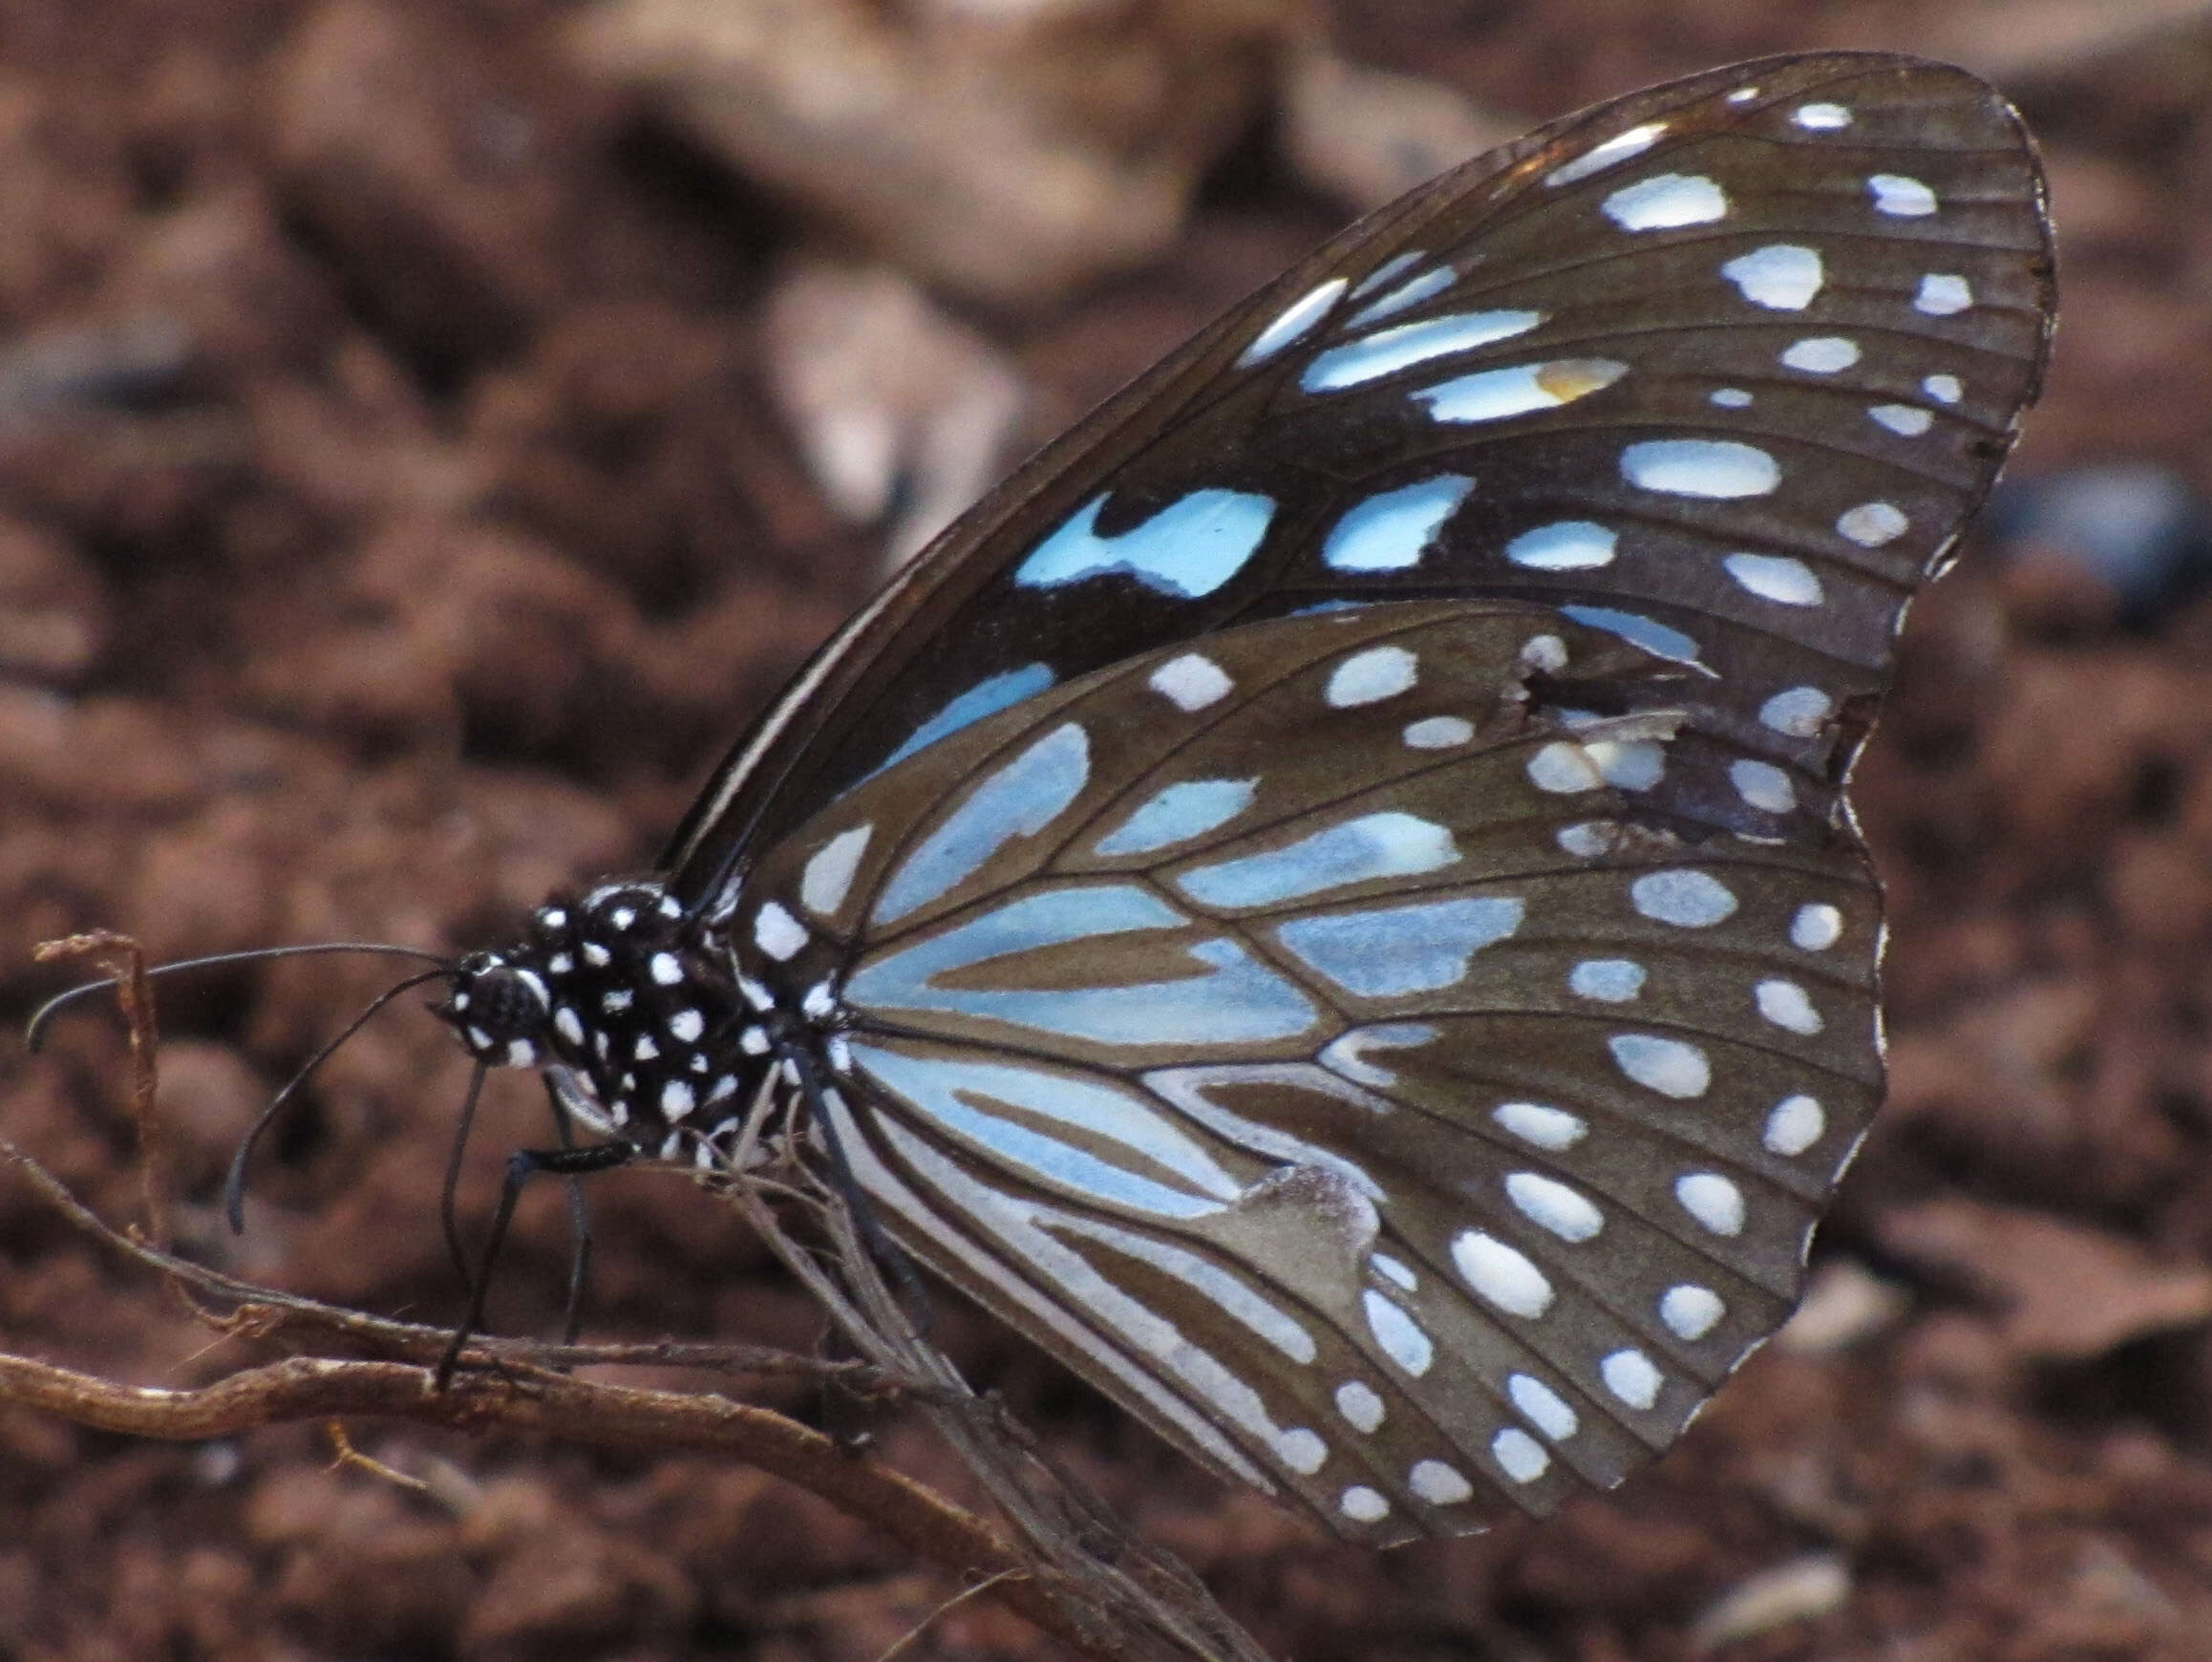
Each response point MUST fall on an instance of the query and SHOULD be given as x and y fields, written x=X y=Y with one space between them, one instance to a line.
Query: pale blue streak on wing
x=1018 y=801
x=1393 y=951
x=1637 y=630
x=1386 y=845
x=1232 y=1000
x=1388 y=351
x=1190 y=547
x=1178 y=813
x=1411 y=292
x=947 y=1090
x=986 y=697
x=1390 y=531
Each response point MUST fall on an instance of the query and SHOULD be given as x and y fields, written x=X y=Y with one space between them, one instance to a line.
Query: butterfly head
x=616 y=1002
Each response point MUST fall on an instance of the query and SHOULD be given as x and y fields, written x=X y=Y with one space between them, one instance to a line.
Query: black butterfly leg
x=579 y=1224
x=523 y=1165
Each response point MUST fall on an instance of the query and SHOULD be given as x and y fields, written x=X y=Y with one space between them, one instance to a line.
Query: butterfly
x=1327 y=899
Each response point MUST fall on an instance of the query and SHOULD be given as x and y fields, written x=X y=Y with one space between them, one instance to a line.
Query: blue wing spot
x=1190 y=547
x=1391 y=531
x=1018 y=801
x=1637 y=630
x=1178 y=813
x=1232 y=1000
x=1388 y=844
x=986 y=697
x=1393 y=952
x=1388 y=351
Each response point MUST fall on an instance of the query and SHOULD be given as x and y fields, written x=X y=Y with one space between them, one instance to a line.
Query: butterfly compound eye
x=499 y=1001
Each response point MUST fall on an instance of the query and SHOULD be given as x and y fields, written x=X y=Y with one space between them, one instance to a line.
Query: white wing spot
x=1798 y=711
x=1612 y=152
x=1562 y=768
x=1437 y=733
x=1822 y=118
x=1762 y=785
x=1716 y=468
x=1521 y=390
x=1942 y=388
x=1671 y=1067
x=1871 y=525
x=1665 y=202
x=1518 y=1455
x=1609 y=980
x=1785 y=1004
x=1821 y=354
x=1547 y=1127
x=1713 y=1200
x=1390 y=1269
x=1363 y=1505
x=1501 y=1274
x=1901 y=197
x=1399 y=1335
x=1730 y=397
x=1301 y=1450
x=775 y=932
x=1553 y=1205
x=1362 y=1409
x=1686 y=898
x=1943 y=294
x=1439 y=1485
x=1545 y=1408
x=1780 y=578
x=1905 y=420
x=828 y=876
x=1563 y=545
x=1690 y=1312
x=1816 y=927
x=1631 y=1376
x=1781 y=276
x=1588 y=839
x=1370 y=676
x=1190 y=682
x=1794 y=1124
x=1292 y=322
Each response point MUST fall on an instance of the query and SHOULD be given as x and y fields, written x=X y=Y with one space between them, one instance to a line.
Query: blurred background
x=427 y=431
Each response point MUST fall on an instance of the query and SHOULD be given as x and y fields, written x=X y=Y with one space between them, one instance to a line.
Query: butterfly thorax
x=634 y=1019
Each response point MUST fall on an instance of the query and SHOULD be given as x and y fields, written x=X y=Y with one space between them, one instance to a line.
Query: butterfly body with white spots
x=1327 y=900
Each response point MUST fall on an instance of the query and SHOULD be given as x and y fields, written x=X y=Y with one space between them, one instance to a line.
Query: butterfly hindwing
x=1403 y=1089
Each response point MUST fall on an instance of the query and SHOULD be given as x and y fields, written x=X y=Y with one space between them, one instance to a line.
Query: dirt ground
x=403 y=499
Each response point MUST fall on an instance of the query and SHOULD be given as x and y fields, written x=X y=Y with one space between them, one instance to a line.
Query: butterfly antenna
x=234 y=1180
x=34 y=1032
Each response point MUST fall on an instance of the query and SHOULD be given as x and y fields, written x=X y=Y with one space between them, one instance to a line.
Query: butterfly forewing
x=1726 y=362
x=1362 y=1064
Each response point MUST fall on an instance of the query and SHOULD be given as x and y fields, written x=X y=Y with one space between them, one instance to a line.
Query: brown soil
x=394 y=526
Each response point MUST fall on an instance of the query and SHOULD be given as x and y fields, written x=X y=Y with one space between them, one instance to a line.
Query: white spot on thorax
x=686 y=1026
x=666 y=970
x=676 y=1099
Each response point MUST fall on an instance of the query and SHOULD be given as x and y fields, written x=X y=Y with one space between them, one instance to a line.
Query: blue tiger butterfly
x=1327 y=899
